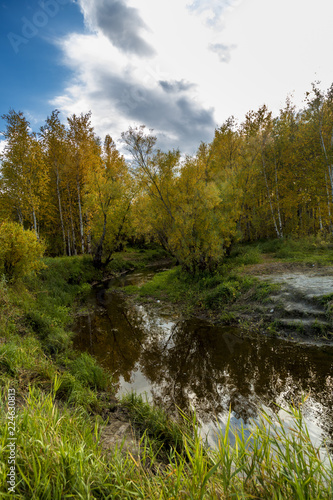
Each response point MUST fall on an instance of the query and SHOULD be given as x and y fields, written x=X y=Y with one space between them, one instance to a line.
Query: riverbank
x=64 y=404
x=274 y=288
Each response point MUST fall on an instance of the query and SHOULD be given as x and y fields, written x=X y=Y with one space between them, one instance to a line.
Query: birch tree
x=24 y=173
x=53 y=135
x=83 y=153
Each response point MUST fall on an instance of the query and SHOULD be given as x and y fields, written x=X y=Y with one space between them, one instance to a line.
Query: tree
x=24 y=174
x=20 y=251
x=187 y=209
x=154 y=172
x=53 y=135
x=108 y=199
x=83 y=155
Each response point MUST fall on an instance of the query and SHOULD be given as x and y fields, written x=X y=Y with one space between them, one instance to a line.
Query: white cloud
x=200 y=73
x=213 y=11
x=119 y=93
x=223 y=51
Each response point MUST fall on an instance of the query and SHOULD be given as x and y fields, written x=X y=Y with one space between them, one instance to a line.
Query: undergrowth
x=204 y=292
x=310 y=250
x=36 y=340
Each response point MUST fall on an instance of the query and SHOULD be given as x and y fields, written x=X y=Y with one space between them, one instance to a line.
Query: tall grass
x=59 y=456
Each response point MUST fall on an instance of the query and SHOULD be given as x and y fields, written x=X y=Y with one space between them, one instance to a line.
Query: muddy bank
x=301 y=305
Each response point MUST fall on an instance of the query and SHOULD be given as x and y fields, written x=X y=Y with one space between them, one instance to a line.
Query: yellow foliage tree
x=192 y=211
x=108 y=198
x=20 y=251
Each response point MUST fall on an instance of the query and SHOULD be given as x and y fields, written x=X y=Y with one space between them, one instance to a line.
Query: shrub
x=20 y=251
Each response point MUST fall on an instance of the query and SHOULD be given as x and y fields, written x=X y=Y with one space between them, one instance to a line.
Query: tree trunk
x=89 y=241
x=269 y=199
x=35 y=222
x=80 y=214
x=20 y=217
x=278 y=201
x=320 y=219
x=60 y=214
x=69 y=244
x=328 y=204
x=71 y=217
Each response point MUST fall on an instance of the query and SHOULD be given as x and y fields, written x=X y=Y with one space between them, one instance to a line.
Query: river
x=191 y=363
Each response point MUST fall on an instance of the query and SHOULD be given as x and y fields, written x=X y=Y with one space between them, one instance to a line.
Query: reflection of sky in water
x=193 y=365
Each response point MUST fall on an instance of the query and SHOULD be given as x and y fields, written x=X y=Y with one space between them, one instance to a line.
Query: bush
x=20 y=251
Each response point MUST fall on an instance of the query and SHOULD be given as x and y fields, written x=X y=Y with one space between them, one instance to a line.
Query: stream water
x=190 y=363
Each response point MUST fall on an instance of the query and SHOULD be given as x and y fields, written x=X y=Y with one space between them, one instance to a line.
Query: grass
x=229 y=293
x=164 y=434
x=310 y=250
x=35 y=318
x=136 y=258
x=219 y=295
x=271 y=461
x=59 y=456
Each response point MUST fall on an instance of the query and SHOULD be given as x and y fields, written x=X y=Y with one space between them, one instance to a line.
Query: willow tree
x=191 y=212
x=109 y=194
x=154 y=173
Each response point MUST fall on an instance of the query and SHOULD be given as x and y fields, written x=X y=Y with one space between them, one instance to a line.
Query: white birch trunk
x=80 y=215
x=71 y=217
x=69 y=243
x=60 y=213
x=270 y=199
x=278 y=201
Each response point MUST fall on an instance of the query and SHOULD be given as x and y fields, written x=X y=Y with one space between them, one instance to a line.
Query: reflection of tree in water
x=213 y=368
x=183 y=367
x=114 y=333
x=205 y=366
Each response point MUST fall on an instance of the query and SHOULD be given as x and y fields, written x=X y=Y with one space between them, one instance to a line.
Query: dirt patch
x=118 y=432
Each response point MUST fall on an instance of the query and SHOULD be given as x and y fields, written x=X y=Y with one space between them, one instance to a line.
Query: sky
x=180 y=67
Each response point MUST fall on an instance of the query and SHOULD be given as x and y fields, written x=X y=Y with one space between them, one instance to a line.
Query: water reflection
x=193 y=364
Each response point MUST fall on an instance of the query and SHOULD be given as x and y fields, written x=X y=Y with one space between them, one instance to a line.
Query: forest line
x=265 y=177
